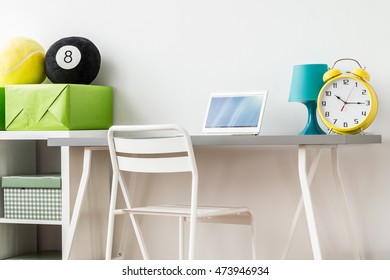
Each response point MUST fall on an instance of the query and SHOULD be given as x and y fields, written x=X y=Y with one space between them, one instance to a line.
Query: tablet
x=235 y=113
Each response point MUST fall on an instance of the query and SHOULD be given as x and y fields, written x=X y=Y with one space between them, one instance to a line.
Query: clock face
x=345 y=103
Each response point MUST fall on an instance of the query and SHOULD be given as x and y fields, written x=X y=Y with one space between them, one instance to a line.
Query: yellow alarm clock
x=347 y=103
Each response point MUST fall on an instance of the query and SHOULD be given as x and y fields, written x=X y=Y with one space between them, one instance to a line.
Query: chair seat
x=181 y=210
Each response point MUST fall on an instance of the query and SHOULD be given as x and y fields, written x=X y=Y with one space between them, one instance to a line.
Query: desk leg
x=79 y=198
x=343 y=200
x=310 y=176
x=341 y=194
x=311 y=222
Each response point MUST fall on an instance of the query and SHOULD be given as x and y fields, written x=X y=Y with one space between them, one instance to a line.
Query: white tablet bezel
x=250 y=130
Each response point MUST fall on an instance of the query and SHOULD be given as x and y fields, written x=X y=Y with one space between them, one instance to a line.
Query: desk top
x=234 y=140
x=98 y=138
x=209 y=140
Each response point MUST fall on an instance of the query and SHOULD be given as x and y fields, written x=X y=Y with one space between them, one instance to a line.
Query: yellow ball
x=22 y=61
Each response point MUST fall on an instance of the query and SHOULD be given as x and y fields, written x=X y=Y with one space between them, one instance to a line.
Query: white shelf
x=44 y=135
x=23 y=153
x=31 y=222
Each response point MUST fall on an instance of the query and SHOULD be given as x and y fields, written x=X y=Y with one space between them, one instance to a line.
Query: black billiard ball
x=72 y=60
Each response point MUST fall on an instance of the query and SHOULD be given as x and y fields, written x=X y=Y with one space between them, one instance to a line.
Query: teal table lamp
x=305 y=85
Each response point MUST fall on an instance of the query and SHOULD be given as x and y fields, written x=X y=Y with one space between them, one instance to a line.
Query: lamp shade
x=306 y=82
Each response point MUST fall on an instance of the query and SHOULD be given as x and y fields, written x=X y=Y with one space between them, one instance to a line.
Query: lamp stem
x=312 y=126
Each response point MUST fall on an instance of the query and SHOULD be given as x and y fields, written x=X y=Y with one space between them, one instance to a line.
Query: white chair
x=169 y=151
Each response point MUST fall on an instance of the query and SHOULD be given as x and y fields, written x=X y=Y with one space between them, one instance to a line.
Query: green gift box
x=58 y=107
x=2 y=108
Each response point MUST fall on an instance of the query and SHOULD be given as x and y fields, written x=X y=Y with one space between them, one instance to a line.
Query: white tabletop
x=51 y=134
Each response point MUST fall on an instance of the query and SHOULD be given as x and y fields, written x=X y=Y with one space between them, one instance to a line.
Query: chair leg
x=111 y=217
x=133 y=220
x=191 y=246
x=253 y=237
x=217 y=220
x=140 y=239
x=181 y=238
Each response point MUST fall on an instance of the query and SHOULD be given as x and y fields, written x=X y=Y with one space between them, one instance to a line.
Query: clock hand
x=346 y=101
x=355 y=103
x=339 y=98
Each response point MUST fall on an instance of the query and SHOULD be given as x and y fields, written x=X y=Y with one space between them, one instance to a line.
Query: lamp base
x=312 y=126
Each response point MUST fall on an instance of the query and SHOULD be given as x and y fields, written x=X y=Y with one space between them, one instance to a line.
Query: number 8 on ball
x=68 y=57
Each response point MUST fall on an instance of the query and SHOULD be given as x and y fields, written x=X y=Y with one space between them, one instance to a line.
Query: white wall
x=164 y=57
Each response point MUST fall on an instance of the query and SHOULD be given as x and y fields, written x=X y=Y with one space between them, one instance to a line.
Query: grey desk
x=219 y=140
x=303 y=143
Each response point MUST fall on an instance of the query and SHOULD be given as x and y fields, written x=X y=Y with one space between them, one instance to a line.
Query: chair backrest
x=151 y=149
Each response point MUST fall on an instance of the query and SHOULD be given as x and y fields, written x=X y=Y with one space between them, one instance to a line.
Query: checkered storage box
x=36 y=197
